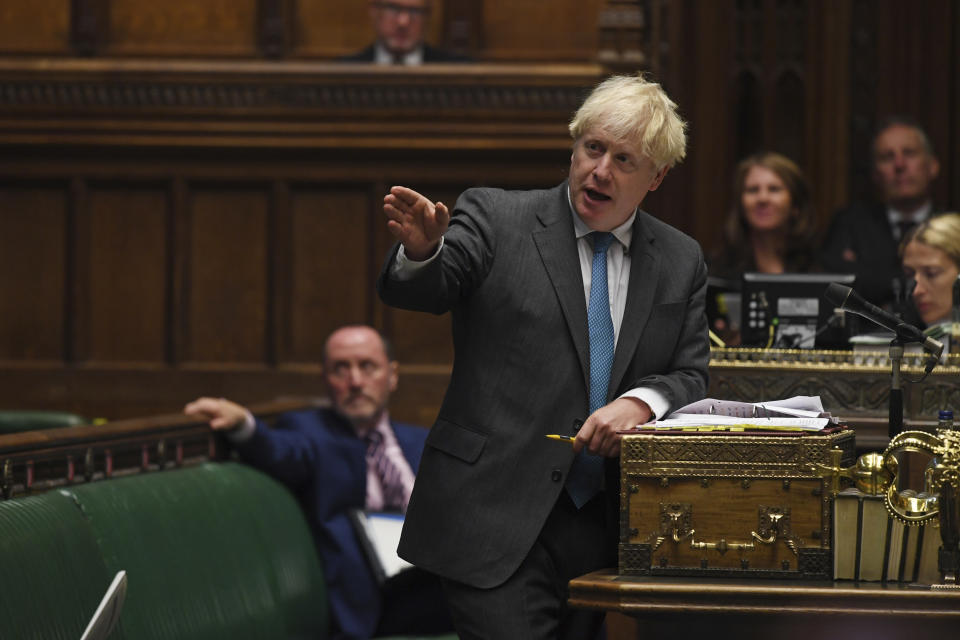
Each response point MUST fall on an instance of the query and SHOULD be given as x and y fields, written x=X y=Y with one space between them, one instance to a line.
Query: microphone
x=848 y=300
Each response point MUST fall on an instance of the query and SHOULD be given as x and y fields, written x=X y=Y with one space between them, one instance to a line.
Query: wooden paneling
x=35 y=27
x=122 y=241
x=211 y=28
x=228 y=295
x=533 y=30
x=33 y=254
x=915 y=72
x=331 y=279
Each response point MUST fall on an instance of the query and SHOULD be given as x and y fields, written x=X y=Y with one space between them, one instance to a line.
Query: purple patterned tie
x=394 y=498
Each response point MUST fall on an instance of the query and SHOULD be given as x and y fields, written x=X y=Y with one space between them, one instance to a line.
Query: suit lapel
x=644 y=274
x=557 y=243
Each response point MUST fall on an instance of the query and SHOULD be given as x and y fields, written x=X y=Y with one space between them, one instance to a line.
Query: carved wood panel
x=35 y=27
x=212 y=28
x=34 y=224
x=122 y=274
x=228 y=301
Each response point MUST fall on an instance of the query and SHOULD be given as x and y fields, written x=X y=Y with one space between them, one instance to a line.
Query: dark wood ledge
x=290 y=104
x=36 y=461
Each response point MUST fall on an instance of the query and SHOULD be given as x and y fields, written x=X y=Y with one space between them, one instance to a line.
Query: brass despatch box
x=725 y=504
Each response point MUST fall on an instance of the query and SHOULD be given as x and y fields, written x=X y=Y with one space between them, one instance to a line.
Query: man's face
x=902 y=167
x=399 y=23
x=609 y=179
x=358 y=375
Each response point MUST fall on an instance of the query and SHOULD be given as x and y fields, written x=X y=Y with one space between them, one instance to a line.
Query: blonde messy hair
x=633 y=109
x=940 y=232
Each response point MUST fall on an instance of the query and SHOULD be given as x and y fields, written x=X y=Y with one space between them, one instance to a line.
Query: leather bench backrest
x=17 y=421
x=214 y=551
x=52 y=571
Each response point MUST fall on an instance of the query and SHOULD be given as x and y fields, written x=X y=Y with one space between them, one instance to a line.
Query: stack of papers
x=800 y=413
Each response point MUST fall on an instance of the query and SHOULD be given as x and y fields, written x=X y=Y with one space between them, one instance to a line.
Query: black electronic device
x=788 y=311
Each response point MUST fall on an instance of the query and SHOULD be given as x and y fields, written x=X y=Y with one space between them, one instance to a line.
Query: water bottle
x=945 y=420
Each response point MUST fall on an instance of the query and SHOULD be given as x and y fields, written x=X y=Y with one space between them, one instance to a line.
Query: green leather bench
x=214 y=551
x=17 y=421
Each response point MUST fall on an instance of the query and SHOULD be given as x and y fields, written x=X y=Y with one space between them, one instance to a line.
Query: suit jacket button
x=556 y=475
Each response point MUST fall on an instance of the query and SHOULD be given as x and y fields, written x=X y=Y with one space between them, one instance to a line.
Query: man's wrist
x=244 y=429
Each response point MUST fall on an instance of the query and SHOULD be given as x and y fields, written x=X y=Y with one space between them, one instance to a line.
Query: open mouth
x=596 y=195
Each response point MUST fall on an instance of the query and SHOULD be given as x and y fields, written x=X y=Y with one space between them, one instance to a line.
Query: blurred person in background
x=931 y=257
x=769 y=229
x=350 y=456
x=399 y=27
x=863 y=238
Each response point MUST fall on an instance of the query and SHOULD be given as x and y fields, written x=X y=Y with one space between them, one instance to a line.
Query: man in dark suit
x=399 y=26
x=567 y=304
x=326 y=458
x=863 y=238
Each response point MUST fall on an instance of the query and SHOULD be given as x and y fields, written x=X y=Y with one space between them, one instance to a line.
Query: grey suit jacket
x=510 y=275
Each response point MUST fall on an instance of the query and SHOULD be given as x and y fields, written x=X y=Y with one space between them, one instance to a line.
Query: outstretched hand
x=220 y=413
x=599 y=434
x=415 y=221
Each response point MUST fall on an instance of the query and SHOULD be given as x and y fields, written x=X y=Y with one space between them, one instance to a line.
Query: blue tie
x=586 y=474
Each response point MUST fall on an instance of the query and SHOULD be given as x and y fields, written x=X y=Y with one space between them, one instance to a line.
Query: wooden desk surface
x=663 y=596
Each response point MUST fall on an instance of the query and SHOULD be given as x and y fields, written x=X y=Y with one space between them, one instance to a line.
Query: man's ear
x=659 y=178
x=394 y=375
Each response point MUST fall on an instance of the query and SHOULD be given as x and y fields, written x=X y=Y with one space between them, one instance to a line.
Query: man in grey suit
x=568 y=304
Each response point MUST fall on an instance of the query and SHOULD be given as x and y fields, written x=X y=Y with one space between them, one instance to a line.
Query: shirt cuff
x=244 y=431
x=404 y=268
x=654 y=399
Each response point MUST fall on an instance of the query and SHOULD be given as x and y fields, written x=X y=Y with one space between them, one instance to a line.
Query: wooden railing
x=37 y=461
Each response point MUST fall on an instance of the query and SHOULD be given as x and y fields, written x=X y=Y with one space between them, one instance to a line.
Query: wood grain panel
x=331 y=283
x=331 y=28
x=35 y=27
x=33 y=240
x=528 y=30
x=227 y=276
x=908 y=83
x=124 y=244
x=210 y=28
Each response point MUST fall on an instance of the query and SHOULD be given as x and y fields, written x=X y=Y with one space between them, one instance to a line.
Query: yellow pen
x=554 y=436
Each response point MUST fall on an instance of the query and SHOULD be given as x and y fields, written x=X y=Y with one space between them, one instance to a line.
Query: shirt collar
x=383 y=426
x=623 y=233
x=382 y=56
x=916 y=217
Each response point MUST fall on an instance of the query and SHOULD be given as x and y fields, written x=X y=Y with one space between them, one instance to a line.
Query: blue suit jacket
x=318 y=455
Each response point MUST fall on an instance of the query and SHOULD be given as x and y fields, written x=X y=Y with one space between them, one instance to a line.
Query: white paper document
x=800 y=413
x=107 y=615
x=379 y=535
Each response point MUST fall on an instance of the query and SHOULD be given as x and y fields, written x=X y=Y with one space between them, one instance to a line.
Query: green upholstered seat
x=51 y=569
x=214 y=551
x=16 y=421
x=219 y=550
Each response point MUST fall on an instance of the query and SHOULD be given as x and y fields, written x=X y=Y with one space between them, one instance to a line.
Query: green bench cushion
x=214 y=551
x=52 y=571
x=16 y=421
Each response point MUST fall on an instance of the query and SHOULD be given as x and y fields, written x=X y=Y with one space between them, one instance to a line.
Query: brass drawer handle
x=722 y=546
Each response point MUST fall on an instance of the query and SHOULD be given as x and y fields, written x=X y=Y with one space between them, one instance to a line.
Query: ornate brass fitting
x=774 y=523
x=871 y=474
x=674 y=523
x=914 y=508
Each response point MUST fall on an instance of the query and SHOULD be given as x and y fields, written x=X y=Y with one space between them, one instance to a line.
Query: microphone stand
x=895 y=412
